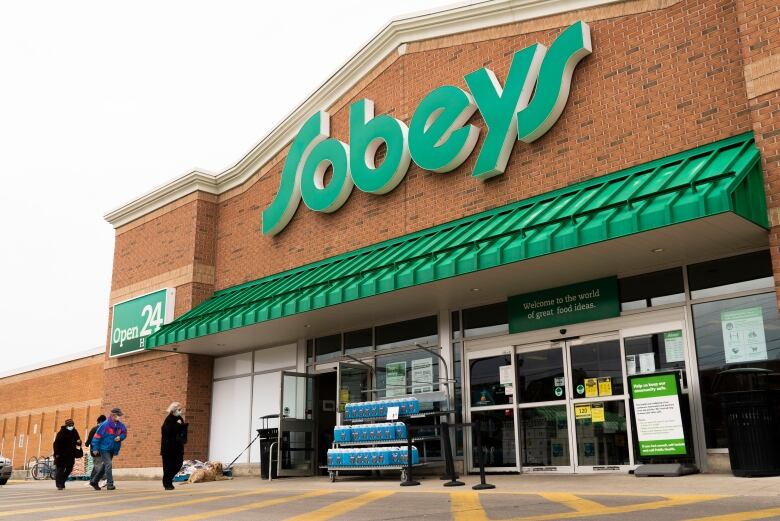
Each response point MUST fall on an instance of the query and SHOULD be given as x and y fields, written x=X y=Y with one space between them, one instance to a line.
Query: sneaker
x=95 y=486
x=169 y=488
x=110 y=487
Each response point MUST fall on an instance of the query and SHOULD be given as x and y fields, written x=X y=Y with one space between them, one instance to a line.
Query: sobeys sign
x=582 y=302
x=136 y=319
x=659 y=425
x=437 y=138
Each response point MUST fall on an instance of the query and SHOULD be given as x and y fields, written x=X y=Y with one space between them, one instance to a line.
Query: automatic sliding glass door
x=598 y=405
x=543 y=423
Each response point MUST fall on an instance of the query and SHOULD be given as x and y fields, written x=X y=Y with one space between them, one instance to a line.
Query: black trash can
x=749 y=398
x=268 y=437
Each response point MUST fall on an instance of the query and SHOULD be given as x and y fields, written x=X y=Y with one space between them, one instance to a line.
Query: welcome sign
x=437 y=138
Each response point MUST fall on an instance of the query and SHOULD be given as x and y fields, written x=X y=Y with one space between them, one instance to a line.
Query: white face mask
x=177 y=412
x=70 y=427
x=116 y=418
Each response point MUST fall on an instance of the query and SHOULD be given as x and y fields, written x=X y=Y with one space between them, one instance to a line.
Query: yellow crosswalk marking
x=251 y=506
x=99 y=515
x=741 y=516
x=466 y=506
x=342 y=507
x=670 y=501
x=574 y=502
x=79 y=497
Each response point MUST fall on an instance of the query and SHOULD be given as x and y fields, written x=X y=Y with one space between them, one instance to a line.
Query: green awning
x=721 y=177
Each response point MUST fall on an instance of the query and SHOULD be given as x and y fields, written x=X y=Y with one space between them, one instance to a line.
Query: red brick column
x=759 y=33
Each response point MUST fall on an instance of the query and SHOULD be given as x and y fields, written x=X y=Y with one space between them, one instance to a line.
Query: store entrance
x=563 y=406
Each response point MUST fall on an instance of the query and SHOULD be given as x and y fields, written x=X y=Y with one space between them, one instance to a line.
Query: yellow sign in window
x=582 y=411
x=597 y=412
x=605 y=386
x=591 y=388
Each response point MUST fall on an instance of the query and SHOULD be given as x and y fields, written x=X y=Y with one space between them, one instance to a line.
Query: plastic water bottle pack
x=371 y=457
x=378 y=409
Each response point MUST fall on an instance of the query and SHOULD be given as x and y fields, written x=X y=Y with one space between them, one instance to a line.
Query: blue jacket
x=103 y=440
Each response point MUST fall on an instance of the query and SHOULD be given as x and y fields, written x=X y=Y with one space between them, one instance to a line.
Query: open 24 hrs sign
x=135 y=319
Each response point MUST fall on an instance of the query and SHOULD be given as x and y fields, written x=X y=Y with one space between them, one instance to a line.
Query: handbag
x=79 y=452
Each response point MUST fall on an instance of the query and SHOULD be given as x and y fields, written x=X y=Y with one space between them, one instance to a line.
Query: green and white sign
x=135 y=319
x=659 y=424
x=583 y=302
x=438 y=137
x=395 y=379
x=743 y=335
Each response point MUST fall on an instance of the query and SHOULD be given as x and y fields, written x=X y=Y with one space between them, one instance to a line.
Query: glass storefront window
x=484 y=377
x=732 y=333
x=652 y=289
x=492 y=319
x=407 y=373
x=544 y=437
x=540 y=376
x=655 y=353
x=358 y=341
x=455 y=324
x=417 y=331
x=497 y=429
x=740 y=273
x=603 y=442
x=327 y=347
x=596 y=360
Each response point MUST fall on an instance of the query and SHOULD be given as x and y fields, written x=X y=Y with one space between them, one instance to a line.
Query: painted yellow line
x=113 y=513
x=90 y=496
x=670 y=501
x=574 y=502
x=251 y=506
x=466 y=506
x=741 y=516
x=343 y=507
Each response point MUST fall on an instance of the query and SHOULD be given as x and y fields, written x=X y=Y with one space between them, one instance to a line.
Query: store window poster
x=743 y=335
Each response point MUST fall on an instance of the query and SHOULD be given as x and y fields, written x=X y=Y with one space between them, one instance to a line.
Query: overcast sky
x=102 y=101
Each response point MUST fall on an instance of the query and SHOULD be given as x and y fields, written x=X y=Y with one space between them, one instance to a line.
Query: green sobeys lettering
x=552 y=88
x=438 y=138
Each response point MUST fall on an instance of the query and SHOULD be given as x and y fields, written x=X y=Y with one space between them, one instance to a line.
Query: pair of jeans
x=63 y=468
x=103 y=468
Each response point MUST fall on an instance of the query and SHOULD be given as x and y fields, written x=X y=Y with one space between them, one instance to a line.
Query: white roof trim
x=72 y=357
x=415 y=27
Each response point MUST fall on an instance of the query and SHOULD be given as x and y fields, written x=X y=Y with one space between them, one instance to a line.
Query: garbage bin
x=268 y=437
x=749 y=398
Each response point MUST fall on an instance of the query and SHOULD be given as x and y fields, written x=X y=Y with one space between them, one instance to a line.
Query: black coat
x=65 y=444
x=174 y=436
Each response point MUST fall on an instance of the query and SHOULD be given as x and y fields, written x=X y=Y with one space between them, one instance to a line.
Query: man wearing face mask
x=107 y=441
x=174 y=436
x=67 y=447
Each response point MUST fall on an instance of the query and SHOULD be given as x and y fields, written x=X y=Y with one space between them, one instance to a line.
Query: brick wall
x=665 y=76
x=33 y=406
x=657 y=83
x=173 y=247
x=759 y=36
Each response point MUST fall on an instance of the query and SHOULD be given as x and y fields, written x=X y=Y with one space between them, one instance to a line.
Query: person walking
x=67 y=447
x=94 y=454
x=172 y=440
x=107 y=441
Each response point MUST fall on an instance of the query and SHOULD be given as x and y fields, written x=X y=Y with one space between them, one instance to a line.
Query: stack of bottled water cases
x=371 y=457
x=373 y=432
x=407 y=406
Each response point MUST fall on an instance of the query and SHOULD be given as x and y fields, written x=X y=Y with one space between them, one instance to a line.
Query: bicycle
x=44 y=469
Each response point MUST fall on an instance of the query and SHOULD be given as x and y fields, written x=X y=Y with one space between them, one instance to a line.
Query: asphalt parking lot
x=517 y=498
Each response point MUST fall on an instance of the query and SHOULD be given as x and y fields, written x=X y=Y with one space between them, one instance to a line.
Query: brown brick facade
x=664 y=77
x=34 y=404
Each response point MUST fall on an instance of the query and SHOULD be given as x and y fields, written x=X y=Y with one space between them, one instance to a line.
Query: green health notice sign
x=582 y=302
x=659 y=424
x=135 y=319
